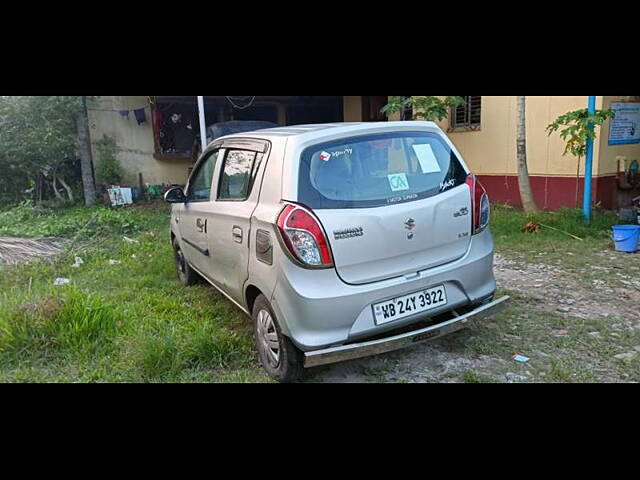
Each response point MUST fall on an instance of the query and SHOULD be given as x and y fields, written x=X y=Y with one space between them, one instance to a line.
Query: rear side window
x=236 y=178
x=377 y=170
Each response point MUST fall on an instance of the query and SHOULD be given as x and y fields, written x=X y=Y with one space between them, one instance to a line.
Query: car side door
x=194 y=221
x=237 y=194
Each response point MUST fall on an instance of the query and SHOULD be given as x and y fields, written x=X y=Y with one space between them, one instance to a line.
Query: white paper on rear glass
x=426 y=157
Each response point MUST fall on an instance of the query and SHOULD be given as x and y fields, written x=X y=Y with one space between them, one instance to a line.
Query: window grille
x=469 y=114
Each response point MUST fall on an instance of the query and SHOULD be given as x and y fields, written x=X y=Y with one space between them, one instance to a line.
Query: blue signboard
x=625 y=127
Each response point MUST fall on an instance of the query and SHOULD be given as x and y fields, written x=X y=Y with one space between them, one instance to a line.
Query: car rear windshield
x=376 y=170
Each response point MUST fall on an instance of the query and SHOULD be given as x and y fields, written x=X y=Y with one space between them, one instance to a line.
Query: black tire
x=186 y=274
x=289 y=364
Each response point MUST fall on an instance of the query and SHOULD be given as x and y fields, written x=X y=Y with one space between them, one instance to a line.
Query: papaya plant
x=576 y=128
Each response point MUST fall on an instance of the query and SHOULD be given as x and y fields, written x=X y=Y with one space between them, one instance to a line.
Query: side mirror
x=175 y=195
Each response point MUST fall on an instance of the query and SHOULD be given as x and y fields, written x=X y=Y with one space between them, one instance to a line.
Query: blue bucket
x=626 y=237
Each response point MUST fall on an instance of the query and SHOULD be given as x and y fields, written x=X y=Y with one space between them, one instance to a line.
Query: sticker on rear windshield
x=398 y=182
x=402 y=198
x=447 y=185
x=426 y=158
x=326 y=156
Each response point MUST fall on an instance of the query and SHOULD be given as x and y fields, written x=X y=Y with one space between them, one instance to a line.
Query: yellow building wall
x=135 y=143
x=491 y=150
x=608 y=153
x=352 y=109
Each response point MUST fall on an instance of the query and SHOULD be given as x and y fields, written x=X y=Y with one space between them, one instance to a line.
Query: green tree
x=579 y=127
x=431 y=109
x=40 y=146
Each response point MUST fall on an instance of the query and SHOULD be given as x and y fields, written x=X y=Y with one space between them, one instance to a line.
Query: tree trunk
x=526 y=195
x=66 y=187
x=40 y=186
x=55 y=189
x=86 y=160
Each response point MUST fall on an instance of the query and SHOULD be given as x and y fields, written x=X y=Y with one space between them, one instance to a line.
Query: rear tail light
x=304 y=237
x=479 y=205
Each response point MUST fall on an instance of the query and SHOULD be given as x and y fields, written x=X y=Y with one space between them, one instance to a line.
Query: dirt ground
x=607 y=288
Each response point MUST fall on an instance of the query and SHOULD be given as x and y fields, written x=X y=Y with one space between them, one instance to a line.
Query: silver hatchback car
x=339 y=240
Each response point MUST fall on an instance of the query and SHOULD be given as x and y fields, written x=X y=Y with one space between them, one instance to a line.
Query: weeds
x=507 y=224
x=73 y=322
x=131 y=321
x=28 y=220
x=557 y=235
x=158 y=354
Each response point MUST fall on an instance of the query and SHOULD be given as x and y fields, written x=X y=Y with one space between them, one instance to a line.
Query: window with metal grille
x=468 y=115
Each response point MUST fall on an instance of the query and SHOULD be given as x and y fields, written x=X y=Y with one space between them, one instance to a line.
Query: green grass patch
x=70 y=322
x=28 y=220
x=128 y=322
x=551 y=242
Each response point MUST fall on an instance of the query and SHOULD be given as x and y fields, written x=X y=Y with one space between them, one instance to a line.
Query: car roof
x=318 y=131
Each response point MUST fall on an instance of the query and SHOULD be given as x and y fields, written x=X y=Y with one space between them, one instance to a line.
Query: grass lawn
x=132 y=321
x=128 y=322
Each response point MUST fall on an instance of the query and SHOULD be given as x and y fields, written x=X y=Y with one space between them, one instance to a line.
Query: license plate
x=411 y=304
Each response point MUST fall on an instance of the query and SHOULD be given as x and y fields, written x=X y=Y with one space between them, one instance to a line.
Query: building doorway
x=176 y=121
x=371 y=108
x=318 y=109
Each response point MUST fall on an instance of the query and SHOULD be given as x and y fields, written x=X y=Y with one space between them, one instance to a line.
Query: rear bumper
x=317 y=310
x=396 y=342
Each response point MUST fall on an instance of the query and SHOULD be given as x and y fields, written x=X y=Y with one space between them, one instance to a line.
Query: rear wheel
x=187 y=275
x=279 y=356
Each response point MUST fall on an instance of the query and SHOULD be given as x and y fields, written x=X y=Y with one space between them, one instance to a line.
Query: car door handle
x=237 y=234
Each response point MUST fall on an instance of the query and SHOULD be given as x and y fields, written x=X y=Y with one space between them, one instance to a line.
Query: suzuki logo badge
x=410 y=224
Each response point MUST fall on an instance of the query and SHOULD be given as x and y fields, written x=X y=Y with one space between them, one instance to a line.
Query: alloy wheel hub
x=268 y=338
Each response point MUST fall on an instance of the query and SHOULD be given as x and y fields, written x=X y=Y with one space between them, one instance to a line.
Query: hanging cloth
x=124 y=114
x=140 y=116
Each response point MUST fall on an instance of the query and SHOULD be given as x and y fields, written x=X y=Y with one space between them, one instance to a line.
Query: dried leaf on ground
x=531 y=227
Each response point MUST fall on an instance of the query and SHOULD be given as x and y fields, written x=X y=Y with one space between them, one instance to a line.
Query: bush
x=108 y=168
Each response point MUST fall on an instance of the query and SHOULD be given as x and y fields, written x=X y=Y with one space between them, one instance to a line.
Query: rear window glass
x=377 y=170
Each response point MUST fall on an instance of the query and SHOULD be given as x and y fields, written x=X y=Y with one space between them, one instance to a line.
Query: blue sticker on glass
x=398 y=182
